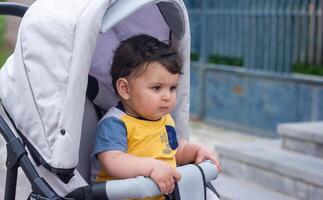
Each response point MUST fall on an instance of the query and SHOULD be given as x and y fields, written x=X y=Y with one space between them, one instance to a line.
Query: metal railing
x=266 y=35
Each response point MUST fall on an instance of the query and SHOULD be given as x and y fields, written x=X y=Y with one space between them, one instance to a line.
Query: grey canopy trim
x=170 y=10
x=173 y=16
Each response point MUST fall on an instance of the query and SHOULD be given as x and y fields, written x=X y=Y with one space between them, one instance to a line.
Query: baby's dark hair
x=135 y=51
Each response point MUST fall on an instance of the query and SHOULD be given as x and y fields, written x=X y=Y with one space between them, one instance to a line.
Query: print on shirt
x=164 y=141
x=172 y=139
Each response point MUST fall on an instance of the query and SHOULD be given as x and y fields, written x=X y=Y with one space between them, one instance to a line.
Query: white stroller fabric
x=43 y=84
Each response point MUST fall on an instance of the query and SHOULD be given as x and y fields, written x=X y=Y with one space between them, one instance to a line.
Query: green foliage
x=216 y=59
x=194 y=56
x=225 y=60
x=2 y=30
x=4 y=52
x=308 y=69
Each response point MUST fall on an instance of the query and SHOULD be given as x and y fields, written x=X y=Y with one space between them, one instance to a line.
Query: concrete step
x=231 y=188
x=305 y=137
x=266 y=164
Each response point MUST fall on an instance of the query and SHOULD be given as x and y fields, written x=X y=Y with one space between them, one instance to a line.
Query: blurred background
x=256 y=92
x=257 y=68
x=249 y=60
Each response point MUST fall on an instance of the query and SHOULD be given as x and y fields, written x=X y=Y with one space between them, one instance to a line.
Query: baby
x=137 y=137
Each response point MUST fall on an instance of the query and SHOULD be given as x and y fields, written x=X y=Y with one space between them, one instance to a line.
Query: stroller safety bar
x=141 y=187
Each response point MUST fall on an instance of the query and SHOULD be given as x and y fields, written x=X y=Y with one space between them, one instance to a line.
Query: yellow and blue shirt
x=144 y=138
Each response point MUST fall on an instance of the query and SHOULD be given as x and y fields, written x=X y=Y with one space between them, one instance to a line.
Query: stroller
x=55 y=87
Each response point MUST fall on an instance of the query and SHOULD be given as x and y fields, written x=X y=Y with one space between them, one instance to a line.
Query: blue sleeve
x=110 y=135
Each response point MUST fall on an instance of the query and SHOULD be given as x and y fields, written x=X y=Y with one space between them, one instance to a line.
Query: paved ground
x=210 y=135
x=200 y=133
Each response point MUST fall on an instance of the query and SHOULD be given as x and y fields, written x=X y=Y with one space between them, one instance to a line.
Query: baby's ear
x=123 y=88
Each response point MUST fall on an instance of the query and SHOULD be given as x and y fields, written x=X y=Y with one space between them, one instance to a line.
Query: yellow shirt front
x=150 y=138
x=146 y=138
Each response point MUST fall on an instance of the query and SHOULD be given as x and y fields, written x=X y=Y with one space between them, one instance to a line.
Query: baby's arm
x=121 y=165
x=188 y=153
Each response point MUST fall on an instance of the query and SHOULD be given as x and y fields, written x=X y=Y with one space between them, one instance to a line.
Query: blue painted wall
x=253 y=101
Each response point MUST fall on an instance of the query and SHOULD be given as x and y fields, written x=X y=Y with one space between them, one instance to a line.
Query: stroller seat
x=90 y=119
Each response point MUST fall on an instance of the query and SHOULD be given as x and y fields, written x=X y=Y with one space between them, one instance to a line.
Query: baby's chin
x=155 y=117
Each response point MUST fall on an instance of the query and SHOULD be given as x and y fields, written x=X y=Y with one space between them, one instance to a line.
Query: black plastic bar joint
x=15 y=149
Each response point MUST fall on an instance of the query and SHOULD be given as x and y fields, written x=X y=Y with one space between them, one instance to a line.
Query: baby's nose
x=166 y=95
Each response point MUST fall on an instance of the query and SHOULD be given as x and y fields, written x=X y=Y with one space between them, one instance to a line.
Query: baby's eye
x=155 y=88
x=173 y=88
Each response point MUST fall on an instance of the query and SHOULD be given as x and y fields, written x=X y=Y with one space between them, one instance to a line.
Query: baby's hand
x=205 y=154
x=165 y=176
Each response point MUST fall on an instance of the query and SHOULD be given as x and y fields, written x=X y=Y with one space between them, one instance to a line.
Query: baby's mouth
x=164 y=108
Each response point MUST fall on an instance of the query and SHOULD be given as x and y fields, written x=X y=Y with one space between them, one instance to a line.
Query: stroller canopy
x=43 y=84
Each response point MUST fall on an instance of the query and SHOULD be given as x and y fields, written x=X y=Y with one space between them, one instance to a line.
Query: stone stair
x=306 y=138
x=237 y=189
x=280 y=165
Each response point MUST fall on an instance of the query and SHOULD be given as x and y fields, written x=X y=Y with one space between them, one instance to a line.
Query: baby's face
x=153 y=92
